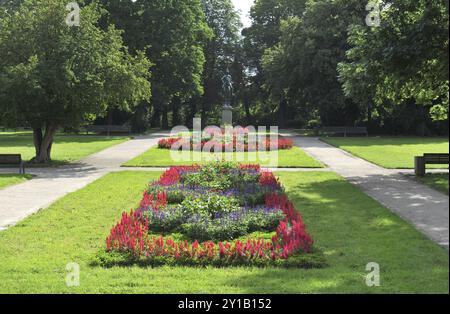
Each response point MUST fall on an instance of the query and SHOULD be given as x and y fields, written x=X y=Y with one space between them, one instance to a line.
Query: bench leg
x=419 y=166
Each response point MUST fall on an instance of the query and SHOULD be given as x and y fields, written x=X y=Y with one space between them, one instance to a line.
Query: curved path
x=50 y=184
x=424 y=207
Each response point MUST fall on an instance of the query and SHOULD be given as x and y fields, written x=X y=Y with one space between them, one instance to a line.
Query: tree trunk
x=139 y=122
x=165 y=119
x=37 y=140
x=156 y=117
x=43 y=145
x=282 y=113
x=176 y=103
x=191 y=110
x=248 y=116
x=369 y=117
x=204 y=111
x=109 y=121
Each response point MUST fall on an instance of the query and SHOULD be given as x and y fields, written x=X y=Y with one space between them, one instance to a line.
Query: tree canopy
x=302 y=64
x=404 y=59
x=319 y=62
x=53 y=75
x=172 y=34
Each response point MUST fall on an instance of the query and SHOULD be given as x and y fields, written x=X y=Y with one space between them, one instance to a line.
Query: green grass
x=11 y=179
x=438 y=181
x=392 y=152
x=350 y=228
x=67 y=148
x=291 y=158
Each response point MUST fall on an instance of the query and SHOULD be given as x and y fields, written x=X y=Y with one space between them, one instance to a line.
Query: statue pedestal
x=227 y=116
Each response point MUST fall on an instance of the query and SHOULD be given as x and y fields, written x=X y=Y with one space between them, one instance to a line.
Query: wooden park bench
x=421 y=162
x=13 y=160
x=108 y=129
x=343 y=130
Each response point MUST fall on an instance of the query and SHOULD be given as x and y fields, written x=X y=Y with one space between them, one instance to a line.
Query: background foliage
x=302 y=63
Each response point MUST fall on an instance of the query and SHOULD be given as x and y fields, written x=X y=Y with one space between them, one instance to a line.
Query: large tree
x=404 y=60
x=172 y=33
x=53 y=75
x=265 y=33
x=302 y=69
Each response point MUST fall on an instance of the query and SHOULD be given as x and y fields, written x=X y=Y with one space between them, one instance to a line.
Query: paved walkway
x=50 y=184
x=424 y=207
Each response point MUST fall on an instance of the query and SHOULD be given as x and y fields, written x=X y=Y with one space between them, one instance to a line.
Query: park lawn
x=438 y=181
x=290 y=158
x=67 y=148
x=349 y=227
x=392 y=152
x=11 y=179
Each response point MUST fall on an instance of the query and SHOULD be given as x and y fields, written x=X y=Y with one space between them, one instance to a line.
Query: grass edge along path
x=437 y=181
x=391 y=152
x=349 y=227
x=155 y=157
x=12 y=179
x=67 y=148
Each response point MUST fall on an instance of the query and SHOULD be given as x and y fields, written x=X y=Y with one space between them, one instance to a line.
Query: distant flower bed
x=205 y=216
x=220 y=142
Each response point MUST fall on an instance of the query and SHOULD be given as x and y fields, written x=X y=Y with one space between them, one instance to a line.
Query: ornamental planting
x=220 y=214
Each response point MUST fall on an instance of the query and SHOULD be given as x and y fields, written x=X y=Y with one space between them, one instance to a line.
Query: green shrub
x=167 y=220
x=220 y=176
x=203 y=229
x=210 y=204
x=263 y=221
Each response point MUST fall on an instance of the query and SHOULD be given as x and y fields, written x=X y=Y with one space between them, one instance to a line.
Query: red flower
x=131 y=234
x=155 y=202
x=268 y=179
x=251 y=167
x=168 y=143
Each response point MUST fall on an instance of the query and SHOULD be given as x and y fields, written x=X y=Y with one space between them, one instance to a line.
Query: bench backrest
x=10 y=159
x=436 y=158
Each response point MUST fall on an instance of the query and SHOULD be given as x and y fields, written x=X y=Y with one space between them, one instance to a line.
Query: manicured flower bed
x=221 y=142
x=209 y=215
